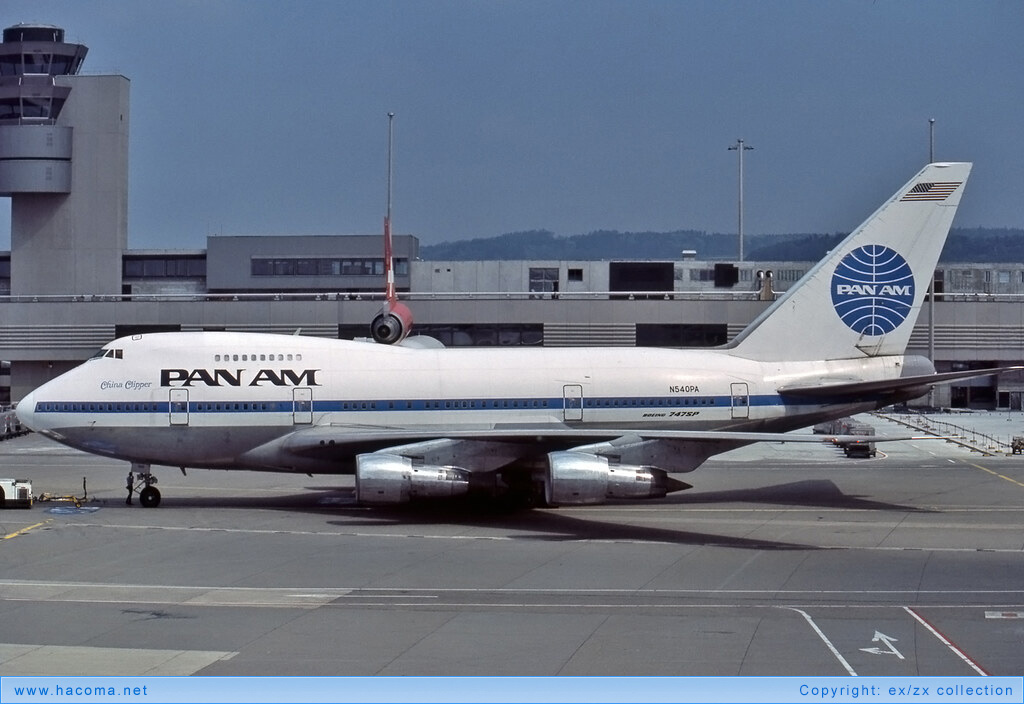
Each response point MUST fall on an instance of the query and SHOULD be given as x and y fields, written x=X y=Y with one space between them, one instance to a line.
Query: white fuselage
x=207 y=399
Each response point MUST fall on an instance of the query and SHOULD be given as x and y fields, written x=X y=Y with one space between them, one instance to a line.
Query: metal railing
x=374 y=296
x=966 y=437
x=692 y=295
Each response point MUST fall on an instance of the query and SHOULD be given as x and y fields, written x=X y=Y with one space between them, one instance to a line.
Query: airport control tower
x=64 y=164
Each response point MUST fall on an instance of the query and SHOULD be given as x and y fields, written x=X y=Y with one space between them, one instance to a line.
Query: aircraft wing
x=330 y=448
x=347 y=435
x=873 y=388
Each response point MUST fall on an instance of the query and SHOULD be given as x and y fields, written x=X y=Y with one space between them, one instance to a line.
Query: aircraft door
x=740 y=400
x=178 y=406
x=302 y=406
x=572 y=402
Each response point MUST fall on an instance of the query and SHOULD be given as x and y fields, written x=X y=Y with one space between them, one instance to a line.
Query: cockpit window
x=113 y=353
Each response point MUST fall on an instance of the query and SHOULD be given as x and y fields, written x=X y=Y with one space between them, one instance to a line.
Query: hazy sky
x=270 y=117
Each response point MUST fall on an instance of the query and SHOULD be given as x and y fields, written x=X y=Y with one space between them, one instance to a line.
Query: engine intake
x=392 y=324
x=578 y=478
x=393 y=479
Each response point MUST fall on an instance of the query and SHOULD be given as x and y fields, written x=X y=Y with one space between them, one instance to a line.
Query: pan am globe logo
x=873 y=290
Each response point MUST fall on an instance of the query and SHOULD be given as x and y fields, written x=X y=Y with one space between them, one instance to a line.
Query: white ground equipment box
x=15 y=493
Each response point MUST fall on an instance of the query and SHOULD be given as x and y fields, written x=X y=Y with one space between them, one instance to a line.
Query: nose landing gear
x=149 y=495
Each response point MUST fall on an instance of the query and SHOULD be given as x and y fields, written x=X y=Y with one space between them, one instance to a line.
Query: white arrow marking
x=888 y=641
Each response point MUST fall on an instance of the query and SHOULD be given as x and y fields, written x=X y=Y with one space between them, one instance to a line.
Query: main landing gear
x=149 y=495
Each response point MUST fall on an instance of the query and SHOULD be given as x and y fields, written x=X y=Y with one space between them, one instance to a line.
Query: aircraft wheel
x=149 y=497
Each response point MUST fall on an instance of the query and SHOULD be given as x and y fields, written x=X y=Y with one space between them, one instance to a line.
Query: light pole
x=389 y=272
x=931 y=284
x=391 y=135
x=739 y=148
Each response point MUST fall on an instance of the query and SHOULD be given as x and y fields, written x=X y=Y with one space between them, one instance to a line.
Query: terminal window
x=324 y=266
x=157 y=267
x=465 y=334
x=681 y=335
x=641 y=276
x=544 y=279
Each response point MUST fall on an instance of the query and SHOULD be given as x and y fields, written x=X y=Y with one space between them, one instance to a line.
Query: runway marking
x=271 y=531
x=995 y=474
x=184 y=595
x=23 y=531
x=336 y=592
x=889 y=649
x=695 y=508
x=76 y=660
x=658 y=600
x=824 y=638
x=945 y=641
x=1004 y=614
x=724 y=542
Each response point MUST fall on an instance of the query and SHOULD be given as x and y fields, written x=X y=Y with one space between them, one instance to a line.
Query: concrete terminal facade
x=70 y=284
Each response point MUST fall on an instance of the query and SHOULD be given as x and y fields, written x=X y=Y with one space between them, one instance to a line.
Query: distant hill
x=963 y=245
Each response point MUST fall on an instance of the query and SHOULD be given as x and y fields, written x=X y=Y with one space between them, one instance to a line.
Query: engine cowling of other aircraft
x=392 y=324
x=578 y=478
x=393 y=479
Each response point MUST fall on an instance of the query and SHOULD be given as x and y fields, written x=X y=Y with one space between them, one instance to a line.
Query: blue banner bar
x=501 y=690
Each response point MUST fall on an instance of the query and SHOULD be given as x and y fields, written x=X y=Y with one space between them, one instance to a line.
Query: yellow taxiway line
x=16 y=533
x=996 y=474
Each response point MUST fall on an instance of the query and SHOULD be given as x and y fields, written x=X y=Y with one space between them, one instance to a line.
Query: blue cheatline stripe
x=645 y=403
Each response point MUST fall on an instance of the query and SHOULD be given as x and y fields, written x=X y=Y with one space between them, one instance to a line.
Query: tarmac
x=784 y=559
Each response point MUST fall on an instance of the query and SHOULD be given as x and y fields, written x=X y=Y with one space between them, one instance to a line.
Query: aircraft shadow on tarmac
x=522 y=523
x=816 y=493
x=550 y=525
x=555 y=526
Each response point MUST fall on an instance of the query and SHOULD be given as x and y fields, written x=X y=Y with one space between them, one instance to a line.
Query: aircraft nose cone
x=26 y=411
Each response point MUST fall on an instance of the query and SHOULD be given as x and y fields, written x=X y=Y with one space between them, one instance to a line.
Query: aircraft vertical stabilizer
x=862 y=300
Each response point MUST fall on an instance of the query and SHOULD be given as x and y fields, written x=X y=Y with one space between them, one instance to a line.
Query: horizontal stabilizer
x=859 y=388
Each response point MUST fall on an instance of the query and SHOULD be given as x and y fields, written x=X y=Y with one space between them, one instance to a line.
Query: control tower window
x=37 y=64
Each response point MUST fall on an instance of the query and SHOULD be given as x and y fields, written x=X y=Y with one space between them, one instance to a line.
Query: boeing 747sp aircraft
x=566 y=426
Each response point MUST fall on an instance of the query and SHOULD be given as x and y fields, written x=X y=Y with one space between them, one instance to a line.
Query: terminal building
x=69 y=283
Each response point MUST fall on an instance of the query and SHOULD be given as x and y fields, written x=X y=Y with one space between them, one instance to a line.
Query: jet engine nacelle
x=582 y=478
x=392 y=324
x=393 y=479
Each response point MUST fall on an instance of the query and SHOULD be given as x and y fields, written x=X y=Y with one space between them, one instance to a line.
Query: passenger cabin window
x=234 y=357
